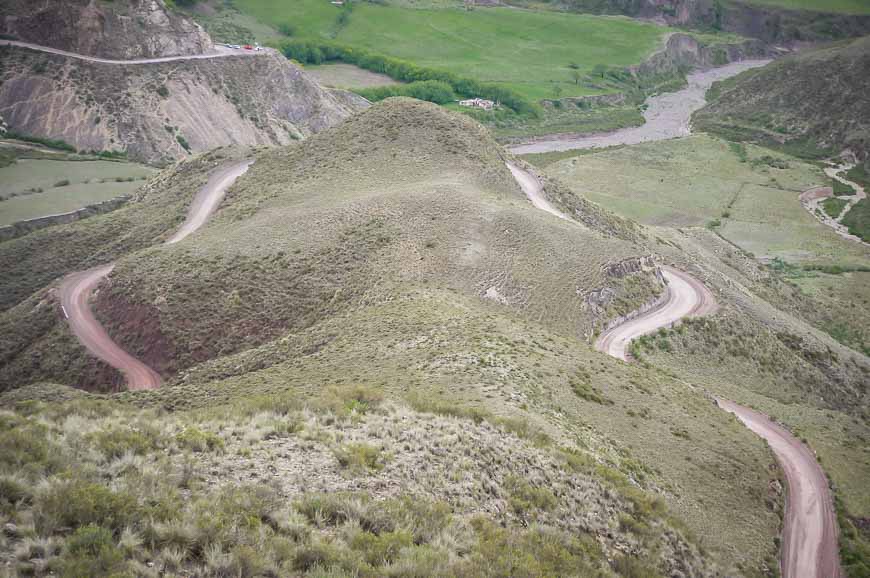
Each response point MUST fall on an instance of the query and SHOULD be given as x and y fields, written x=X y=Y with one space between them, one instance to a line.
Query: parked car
x=248 y=47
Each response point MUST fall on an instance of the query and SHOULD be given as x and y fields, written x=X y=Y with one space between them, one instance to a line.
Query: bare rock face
x=121 y=29
x=161 y=112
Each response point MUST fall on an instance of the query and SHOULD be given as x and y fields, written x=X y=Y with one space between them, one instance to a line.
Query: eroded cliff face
x=120 y=29
x=158 y=113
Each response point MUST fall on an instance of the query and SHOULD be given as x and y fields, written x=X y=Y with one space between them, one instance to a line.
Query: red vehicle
x=248 y=47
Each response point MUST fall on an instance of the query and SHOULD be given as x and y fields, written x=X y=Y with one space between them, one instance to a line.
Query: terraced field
x=33 y=188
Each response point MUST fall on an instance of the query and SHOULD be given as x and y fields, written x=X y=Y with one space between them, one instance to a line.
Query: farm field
x=33 y=188
x=837 y=6
x=528 y=51
x=748 y=194
x=347 y=76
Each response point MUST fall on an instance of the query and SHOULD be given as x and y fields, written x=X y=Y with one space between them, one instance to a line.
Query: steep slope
x=395 y=256
x=122 y=29
x=162 y=111
x=813 y=103
x=449 y=213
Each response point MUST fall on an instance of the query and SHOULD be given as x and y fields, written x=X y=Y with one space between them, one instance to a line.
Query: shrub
x=526 y=499
x=183 y=142
x=359 y=457
x=199 y=441
x=162 y=91
x=585 y=390
x=435 y=91
x=13 y=490
x=62 y=183
x=309 y=52
x=505 y=552
x=91 y=551
x=74 y=503
x=630 y=567
x=286 y=29
x=381 y=549
x=26 y=449
x=115 y=443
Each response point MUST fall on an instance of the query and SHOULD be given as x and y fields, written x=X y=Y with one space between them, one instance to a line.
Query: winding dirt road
x=533 y=189
x=76 y=289
x=219 y=52
x=809 y=539
x=812 y=200
x=685 y=296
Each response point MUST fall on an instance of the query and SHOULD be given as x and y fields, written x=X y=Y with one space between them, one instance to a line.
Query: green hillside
x=527 y=51
x=811 y=104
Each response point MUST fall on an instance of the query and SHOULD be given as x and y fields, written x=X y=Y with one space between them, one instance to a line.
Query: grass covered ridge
x=118 y=505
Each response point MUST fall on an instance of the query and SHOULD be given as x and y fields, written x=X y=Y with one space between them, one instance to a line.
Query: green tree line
x=312 y=52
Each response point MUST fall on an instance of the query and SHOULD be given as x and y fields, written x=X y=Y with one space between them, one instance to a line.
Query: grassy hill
x=375 y=315
x=812 y=104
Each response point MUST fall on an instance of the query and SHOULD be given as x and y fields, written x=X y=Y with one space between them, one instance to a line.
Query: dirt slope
x=122 y=29
x=163 y=111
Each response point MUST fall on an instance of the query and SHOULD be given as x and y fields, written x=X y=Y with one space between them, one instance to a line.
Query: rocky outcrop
x=121 y=29
x=161 y=112
x=683 y=52
x=626 y=267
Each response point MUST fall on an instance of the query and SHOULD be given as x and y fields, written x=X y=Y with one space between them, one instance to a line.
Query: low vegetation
x=809 y=104
x=834 y=206
x=858 y=220
x=74 y=506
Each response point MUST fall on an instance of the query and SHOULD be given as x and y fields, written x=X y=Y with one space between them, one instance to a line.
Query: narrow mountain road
x=74 y=293
x=76 y=289
x=685 y=297
x=219 y=52
x=809 y=540
x=533 y=189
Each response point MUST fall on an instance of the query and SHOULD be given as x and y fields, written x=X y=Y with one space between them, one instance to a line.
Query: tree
x=600 y=70
x=557 y=90
x=577 y=76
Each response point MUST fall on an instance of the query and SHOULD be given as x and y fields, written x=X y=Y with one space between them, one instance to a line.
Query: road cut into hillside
x=76 y=289
x=218 y=52
x=810 y=534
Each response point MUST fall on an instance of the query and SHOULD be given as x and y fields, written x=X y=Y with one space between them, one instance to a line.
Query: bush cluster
x=309 y=52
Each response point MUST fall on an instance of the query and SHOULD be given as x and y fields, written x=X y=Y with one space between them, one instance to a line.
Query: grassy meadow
x=32 y=188
x=528 y=51
x=747 y=194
